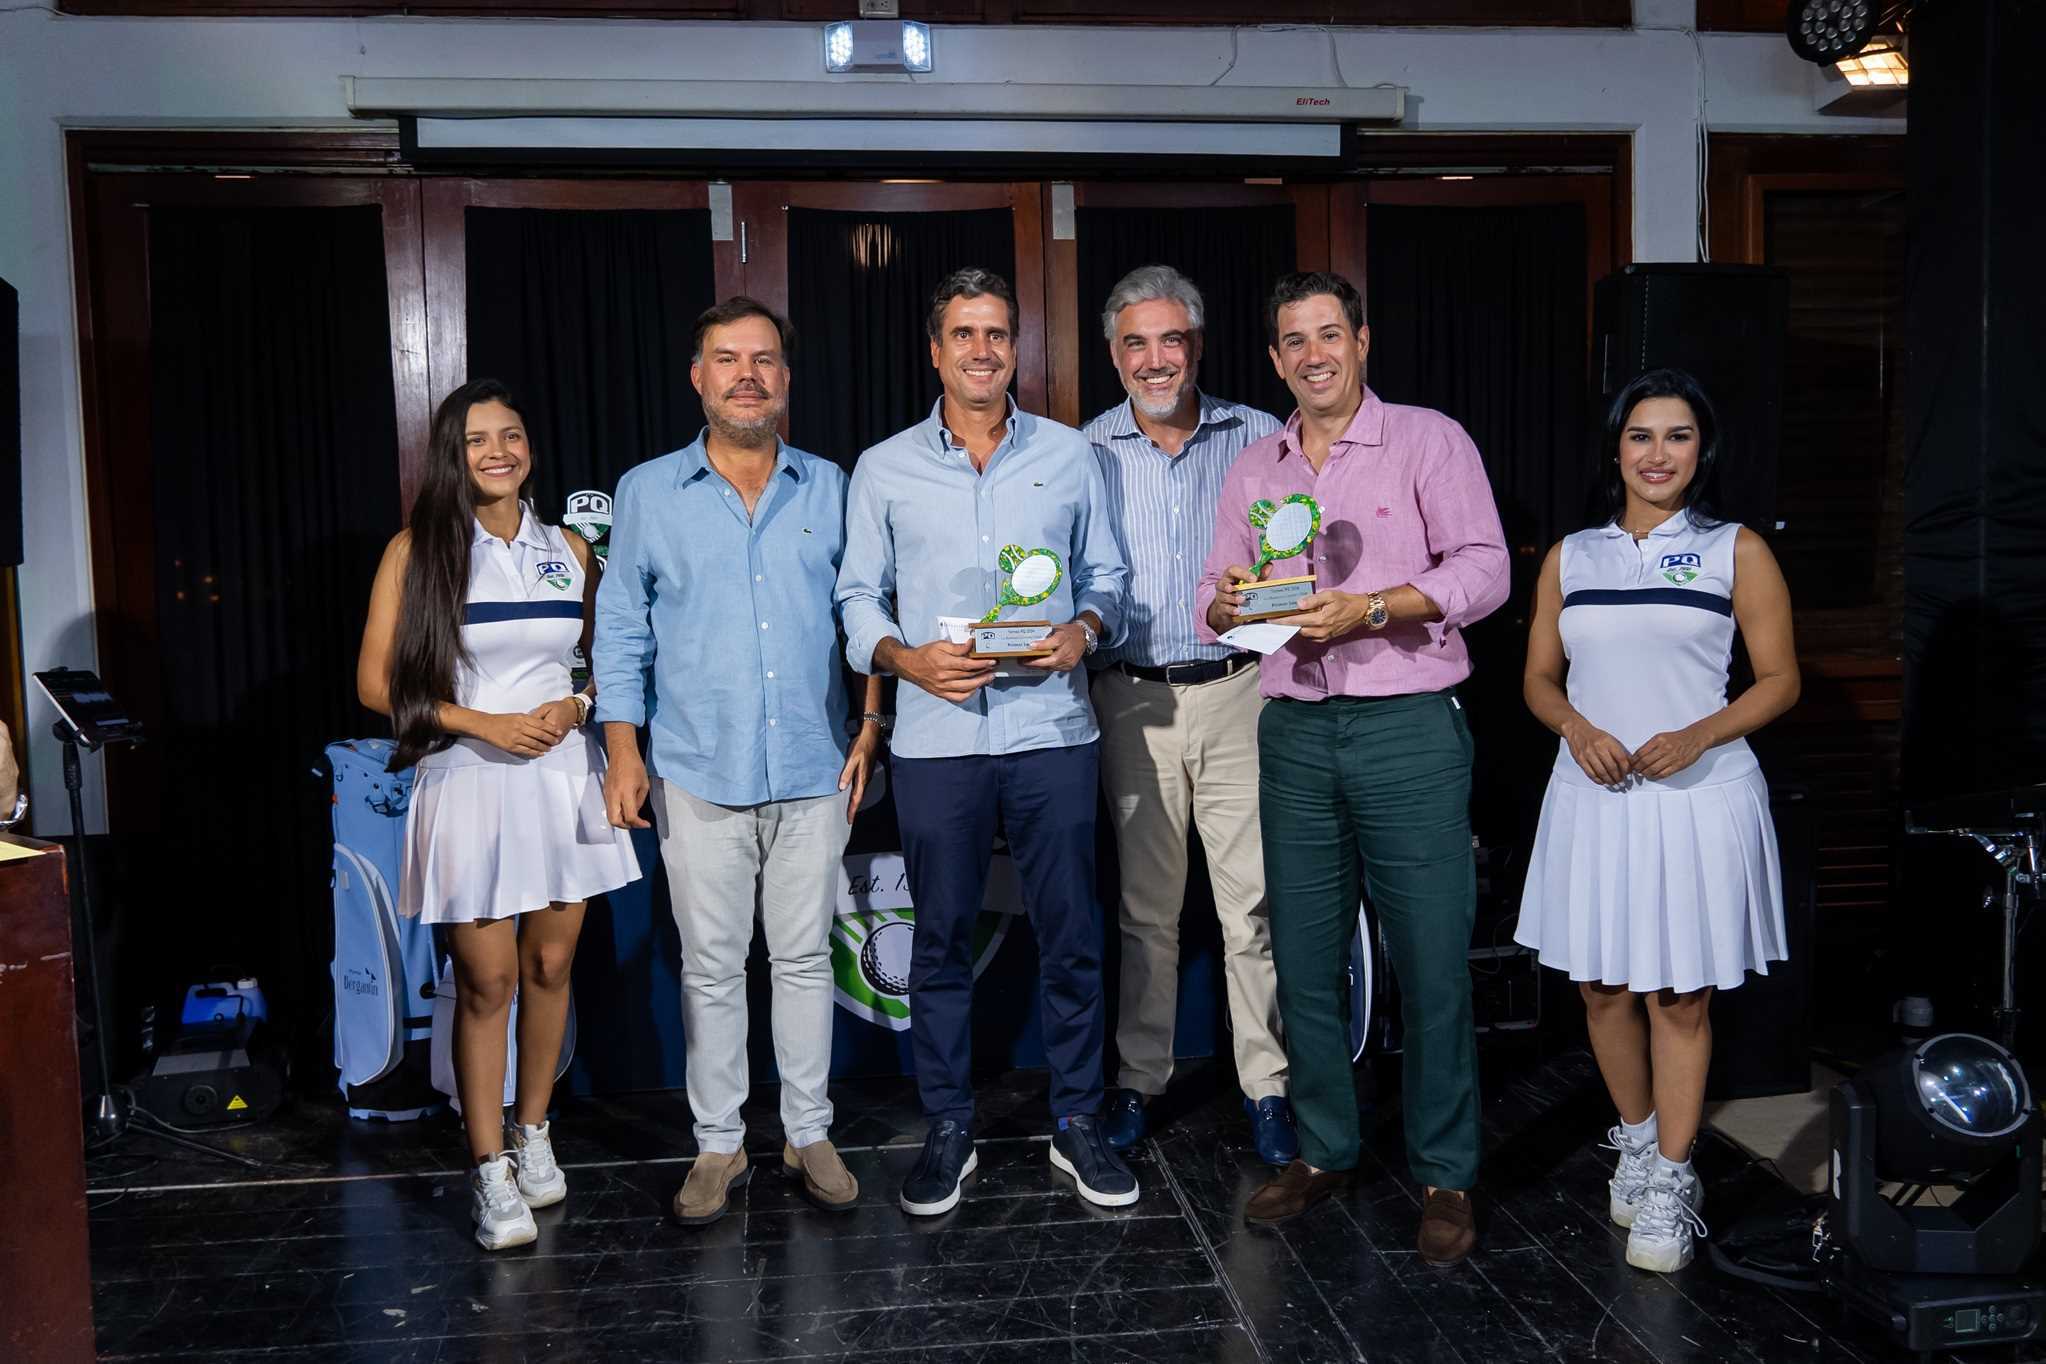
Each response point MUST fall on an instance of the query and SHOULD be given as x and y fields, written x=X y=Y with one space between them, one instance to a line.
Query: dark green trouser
x=1381 y=786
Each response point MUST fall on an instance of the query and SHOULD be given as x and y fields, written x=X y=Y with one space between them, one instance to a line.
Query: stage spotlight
x=877 y=45
x=1942 y=1274
x=1824 y=31
x=1953 y=1110
x=1881 y=65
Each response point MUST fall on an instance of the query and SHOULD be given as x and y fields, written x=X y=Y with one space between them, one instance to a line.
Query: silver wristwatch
x=1093 y=640
x=19 y=813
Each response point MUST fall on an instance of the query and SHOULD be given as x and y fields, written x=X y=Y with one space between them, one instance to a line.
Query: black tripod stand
x=114 y=1112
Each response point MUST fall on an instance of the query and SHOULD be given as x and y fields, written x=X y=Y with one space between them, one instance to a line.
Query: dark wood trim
x=1026 y=200
x=1742 y=16
x=45 y=1264
x=1062 y=320
x=369 y=147
x=411 y=382
x=900 y=196
x=1311 y=225
x=1755 y=189
x=1735 y=157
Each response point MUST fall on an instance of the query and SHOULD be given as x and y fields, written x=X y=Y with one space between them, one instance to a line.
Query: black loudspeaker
x=1762 y=1032
x=10 y=425
x=1726 y=326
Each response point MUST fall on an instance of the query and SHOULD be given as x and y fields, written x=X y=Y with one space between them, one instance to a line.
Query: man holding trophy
x=954 y=527
x=1364 y=750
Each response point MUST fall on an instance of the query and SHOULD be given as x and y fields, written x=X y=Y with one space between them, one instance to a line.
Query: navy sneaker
x=1122 y=1119
x=1271 y=1130
x=948 y=1158
x=1079 y=1149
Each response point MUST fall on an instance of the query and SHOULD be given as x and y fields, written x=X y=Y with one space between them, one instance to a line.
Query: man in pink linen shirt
x=1364 y=751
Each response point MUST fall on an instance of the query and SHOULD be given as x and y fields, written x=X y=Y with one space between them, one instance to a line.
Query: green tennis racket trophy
x=1033 y=575
x=1284 y=531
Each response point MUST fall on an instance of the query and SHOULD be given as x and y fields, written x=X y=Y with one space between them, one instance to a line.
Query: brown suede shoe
x=826 y=1181
x=1448 y=1227
x=706 y=1195
x=1298 y=1187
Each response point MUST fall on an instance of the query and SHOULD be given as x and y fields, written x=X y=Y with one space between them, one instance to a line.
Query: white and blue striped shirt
x=1163 y=510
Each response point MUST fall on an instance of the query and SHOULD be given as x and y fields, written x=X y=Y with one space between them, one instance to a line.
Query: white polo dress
x=490 y=834
x=1671 y=884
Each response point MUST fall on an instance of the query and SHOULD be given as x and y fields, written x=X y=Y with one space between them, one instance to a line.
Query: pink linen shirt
x=1404 y=499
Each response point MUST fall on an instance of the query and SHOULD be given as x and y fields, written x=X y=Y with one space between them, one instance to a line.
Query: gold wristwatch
x=1377 y=613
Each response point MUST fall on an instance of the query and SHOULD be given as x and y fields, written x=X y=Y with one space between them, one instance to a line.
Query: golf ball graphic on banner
x=876 y=925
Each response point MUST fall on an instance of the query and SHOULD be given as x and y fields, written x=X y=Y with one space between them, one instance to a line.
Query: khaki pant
x=779 y=863
x=1167 y=751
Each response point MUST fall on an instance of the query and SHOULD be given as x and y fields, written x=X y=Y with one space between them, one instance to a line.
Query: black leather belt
x=1190 y=674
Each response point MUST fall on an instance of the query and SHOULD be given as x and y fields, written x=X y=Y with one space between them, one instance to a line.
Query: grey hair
x=1148 y=282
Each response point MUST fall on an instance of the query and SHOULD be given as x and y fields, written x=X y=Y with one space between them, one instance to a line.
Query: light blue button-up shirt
x=923 y=530
x=1163 y=510
x=720 y=634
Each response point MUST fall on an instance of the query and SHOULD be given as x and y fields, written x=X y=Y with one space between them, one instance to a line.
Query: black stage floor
x=355 y=1245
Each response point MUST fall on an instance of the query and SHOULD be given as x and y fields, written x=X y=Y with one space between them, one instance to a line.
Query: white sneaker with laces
x=1666 y=1222
x=1630 y=1177
x=541 y=1182
x=502 y=1218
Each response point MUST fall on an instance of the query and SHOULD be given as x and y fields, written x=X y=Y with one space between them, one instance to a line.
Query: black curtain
x=859 y=289
x=1480 y=313
x=276 y=487
x=588 y=315
x=1234 y=255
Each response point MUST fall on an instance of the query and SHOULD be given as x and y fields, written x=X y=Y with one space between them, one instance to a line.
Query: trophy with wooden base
x=1033 y=575
x=1284 y=531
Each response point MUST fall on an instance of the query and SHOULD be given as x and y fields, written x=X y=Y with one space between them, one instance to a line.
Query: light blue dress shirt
x=923 y=530
x=1163 y=510
x=720 y=634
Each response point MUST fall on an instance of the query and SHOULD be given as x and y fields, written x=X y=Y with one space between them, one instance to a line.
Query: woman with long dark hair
x=1654 y=878
x=477 y=611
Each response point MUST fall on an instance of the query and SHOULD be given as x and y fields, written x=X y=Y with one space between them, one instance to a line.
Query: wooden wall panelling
x=1061 y=320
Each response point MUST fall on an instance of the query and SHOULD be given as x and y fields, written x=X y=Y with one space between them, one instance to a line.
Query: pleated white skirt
x=1654 y=888
x=487 y=840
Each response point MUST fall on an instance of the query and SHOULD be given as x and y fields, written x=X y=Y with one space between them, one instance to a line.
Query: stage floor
x=355 y=1245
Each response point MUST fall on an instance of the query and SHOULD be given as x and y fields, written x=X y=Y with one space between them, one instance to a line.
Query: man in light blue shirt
x=716 y=629
x=929 y=511
x=1178 y=716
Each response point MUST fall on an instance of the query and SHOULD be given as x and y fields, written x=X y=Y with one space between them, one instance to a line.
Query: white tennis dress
x=490 y=834
x=1671 y=884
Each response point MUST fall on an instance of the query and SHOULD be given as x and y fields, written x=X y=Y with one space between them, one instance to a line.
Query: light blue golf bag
x=383 y=965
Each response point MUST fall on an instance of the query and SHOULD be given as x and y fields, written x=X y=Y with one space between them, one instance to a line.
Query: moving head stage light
x=1954 y=1110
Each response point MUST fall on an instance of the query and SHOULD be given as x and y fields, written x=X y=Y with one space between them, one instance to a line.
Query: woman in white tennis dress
x=1654 y=878
x=476 y=614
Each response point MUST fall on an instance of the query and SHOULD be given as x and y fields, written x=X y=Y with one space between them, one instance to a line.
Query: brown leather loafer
x=826 y=1182
x=1448 y=1227
x=706 y=1195
x=1299 y=1187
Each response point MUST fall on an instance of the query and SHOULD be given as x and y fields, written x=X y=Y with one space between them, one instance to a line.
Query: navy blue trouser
x=947 y=808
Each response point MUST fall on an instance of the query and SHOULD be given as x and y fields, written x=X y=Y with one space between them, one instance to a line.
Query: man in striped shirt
x=1178 y=717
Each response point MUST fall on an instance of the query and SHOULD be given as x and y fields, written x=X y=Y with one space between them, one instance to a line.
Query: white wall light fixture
x=877 y=45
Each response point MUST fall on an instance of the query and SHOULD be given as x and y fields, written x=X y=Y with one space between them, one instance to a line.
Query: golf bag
x=383 y=965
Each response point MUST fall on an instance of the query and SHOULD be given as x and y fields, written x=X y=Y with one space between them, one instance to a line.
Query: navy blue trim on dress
x=492 y=612
x=1649 y=596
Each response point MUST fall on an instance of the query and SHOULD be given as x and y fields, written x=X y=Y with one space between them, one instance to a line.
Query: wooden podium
x=45 y=1269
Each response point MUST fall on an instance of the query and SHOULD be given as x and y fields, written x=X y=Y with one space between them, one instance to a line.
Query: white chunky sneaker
x=1666 y=1222
x=541 y=1182
x=502 y=1218
x=1630 y=1178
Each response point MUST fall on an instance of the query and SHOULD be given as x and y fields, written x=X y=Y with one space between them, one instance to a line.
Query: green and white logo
x=876 y=923
x=589 y=515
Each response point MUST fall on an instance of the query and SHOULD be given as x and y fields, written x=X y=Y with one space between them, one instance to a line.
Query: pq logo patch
x=1682 y=568
x=876 y=924
x=589 y=515
x=556 y=575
